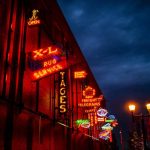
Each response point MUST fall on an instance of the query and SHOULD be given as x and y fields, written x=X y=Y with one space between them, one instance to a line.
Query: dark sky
x=114 y=36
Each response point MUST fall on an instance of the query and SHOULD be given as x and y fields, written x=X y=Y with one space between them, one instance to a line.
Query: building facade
x=46 y=84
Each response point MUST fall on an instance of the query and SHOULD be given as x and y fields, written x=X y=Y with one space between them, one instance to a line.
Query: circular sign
x=89 y=92
x=102 y=112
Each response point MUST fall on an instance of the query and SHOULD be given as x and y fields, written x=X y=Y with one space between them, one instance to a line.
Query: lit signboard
x=90 y=100
x=102 y=112
x=89 y=92
x=43 y=53
x=34 y=19
x=90 y=104
x=44 y=62
x=107 y=126
x=111 y=117
x=105 y=135
x=38 y=64
x=62 y=93
x=100 y=119
x=82 y=121
x=80 y=74
x=38 y=74
x=85 y=125
x=90 y=110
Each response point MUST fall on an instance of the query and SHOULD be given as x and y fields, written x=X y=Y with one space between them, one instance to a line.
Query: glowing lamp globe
x=132 y=107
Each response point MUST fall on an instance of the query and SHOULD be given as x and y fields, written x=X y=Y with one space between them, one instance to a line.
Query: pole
x=144 y=133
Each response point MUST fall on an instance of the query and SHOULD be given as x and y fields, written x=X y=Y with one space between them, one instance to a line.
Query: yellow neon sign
x=89 y=92
x=34 y=19
x=63 y=94
x=80 y=74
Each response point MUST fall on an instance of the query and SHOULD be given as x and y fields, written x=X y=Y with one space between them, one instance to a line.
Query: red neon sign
x=50 y=70
x=80 y=74
x=89 y=92
x=44 y=53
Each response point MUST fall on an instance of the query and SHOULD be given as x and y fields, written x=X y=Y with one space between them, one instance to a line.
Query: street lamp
x=132 y=109
x=148 y=107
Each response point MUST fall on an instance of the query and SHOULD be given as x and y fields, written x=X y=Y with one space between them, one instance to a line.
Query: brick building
x=43 y=74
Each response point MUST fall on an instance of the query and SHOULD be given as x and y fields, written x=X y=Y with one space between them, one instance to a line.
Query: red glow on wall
x=89 y=92
x=44 y=53
x=80 y=74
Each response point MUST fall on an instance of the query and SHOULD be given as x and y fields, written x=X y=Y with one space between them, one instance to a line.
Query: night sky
x=114 y=36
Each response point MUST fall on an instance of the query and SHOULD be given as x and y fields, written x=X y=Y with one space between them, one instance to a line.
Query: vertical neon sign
x=63 y=94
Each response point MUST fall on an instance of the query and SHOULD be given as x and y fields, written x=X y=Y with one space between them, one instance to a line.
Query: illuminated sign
x=111 y=117
x=36 y=65
x=114 y=123
x=105 y=135
x=94 y=104
x=108 y=120
x=102 y=112
x=107 y=127
x=47 y=71
x=91 y=100
x=89 y=92
x=85 y=125
x=80 y=74
x=95 y=118
x=100 y=119
x=62 y=94
x=90 y=110
x=82 y=121
x=42 y=53
x=90 y=117
x=34 y=19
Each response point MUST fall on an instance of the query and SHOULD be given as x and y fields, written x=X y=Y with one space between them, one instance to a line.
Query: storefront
x=46 y=84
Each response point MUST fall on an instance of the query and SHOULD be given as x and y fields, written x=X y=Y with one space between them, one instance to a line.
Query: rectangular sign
x=38 y=74
x=80 y=74
x=42 y=53
x=62 y=93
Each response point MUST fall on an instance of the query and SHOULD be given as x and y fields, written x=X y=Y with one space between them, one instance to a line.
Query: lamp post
x=132 y=109
x=148 y=107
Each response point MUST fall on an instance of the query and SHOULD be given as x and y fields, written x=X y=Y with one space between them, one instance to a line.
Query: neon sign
x=80 y=74
x=107 y=126
x=89 y=92
x=105 y=135
x=100 y=119
x=85 y=125
x=47 y=71
x=34 y=19
x=63 y=94
x=90 y=110
x=36 y=65
x=102 y=112
x=85 y=100
x=49 y=62
x=94 y=104
x=41 y=54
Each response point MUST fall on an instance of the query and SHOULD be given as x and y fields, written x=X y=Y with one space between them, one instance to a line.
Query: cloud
x=114 y=37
